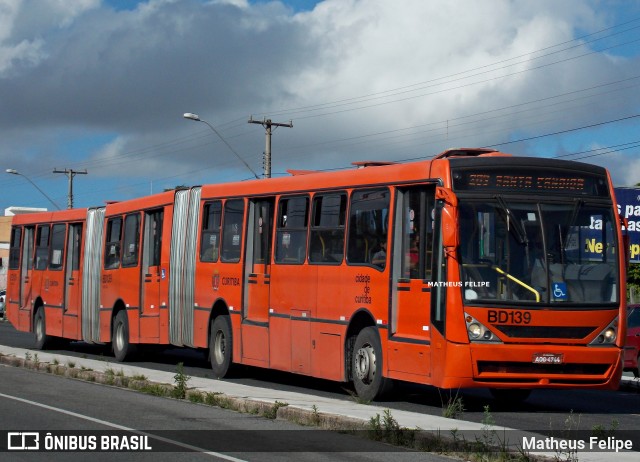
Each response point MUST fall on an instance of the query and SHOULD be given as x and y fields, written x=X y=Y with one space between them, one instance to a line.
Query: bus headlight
x=608 y=336
x=477 y=332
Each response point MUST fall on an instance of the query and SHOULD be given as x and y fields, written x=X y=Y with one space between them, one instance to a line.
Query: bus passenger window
x=291 y=231
x=232 y=231
x=42 y=248
x=14 y=250
x=57 y=247
x=210 y=237
x=112 y=243
x=326 y=241
x=368 y=227
x=131 y=240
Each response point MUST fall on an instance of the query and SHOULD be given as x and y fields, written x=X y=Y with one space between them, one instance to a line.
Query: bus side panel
x=293 y=295
x=53 y=295
x=12 y=303
x=327 y=353
x=280 y=343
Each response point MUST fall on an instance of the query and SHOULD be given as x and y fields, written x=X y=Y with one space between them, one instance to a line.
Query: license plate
x=548 y=358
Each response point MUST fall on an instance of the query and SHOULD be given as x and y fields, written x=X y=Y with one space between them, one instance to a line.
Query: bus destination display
x=520 y=181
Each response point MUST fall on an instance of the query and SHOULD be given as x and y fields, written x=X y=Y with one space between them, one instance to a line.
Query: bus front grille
x=505 y=367
x=557 y=332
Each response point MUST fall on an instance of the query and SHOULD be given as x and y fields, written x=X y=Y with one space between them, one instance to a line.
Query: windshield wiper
x=508 y=217
x=574 y=214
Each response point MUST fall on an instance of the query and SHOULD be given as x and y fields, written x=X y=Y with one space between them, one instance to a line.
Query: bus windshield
x=546 y=253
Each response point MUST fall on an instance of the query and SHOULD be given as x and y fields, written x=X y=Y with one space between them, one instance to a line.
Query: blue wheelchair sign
x=560 y=291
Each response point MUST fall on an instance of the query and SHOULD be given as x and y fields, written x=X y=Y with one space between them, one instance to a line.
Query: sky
x=102 y=86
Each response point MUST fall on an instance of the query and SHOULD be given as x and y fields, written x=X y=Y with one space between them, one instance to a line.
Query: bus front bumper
x=534 y=366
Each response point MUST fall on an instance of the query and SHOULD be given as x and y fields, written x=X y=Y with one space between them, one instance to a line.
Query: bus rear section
x=44 y=284
x=541 y=290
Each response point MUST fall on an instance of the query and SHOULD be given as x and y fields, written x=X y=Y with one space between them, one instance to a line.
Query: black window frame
x=130 y=250
x=113 y=241
x=326 y=235
x=57 y=241
x=292 y=230
x=364 y=243
x=15 y=248
x=41 y=256
x=211 y=229
x=231 y=251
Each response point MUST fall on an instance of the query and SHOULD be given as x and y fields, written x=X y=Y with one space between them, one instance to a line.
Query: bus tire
x=510 y=395
x=220 y=346
x=367 y=365
x=43 y=341
x=122 y=348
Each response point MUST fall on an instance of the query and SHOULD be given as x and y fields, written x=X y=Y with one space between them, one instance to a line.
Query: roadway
x=544 y=410
x=32 y=401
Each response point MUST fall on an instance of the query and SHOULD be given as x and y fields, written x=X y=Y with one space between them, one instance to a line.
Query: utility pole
x=70 y=174
x=267 y=124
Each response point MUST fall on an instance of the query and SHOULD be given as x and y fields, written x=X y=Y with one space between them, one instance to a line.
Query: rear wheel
x=367 y=366
x=636 y=371
x=43 y=341
x=122 y=348
x=220 y=346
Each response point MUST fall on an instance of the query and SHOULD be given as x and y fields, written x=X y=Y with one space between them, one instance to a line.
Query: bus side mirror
x=449 y=229
x=448 y=225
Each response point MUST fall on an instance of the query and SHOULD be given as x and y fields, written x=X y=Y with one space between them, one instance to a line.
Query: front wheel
x=220 y=346
x=40 y=329
x=636 y=371
x=367 y=365
x=122 y=348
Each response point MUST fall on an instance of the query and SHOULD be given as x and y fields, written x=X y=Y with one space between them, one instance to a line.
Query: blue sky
x=102 y=86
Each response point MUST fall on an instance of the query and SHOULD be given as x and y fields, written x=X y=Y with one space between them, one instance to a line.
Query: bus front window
x=535 y=253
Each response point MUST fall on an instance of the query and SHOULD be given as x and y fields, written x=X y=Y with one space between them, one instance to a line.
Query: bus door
x=26 y=271
x=52 y=264
x=410 y=340
x=152 y=276
x=257 y=278
x=73 y=283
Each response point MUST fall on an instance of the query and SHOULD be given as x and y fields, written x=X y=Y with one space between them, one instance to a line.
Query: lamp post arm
x=15 y=172
x=229 y=146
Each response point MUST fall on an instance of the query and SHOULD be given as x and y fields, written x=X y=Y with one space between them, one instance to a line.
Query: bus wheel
x=122 y=349
x=636 y=371
x=510 y=395
x=220 y=346
x=367 y=365
x=40 y=329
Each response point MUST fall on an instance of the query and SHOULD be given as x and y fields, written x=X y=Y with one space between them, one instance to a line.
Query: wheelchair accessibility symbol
x=559 y=290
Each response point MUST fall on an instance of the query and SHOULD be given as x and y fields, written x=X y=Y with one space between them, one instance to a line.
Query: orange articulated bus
x=474 y=269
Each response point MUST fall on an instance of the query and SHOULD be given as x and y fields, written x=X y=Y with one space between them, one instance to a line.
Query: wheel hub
x=220 y=347
x=365 y=364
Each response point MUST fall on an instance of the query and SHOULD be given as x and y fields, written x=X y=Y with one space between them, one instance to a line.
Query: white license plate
x=548 y=358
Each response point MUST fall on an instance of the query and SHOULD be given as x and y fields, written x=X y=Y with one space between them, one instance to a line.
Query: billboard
x=629 y=207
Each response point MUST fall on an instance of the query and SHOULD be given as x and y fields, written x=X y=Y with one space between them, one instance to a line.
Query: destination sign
x=527 y=181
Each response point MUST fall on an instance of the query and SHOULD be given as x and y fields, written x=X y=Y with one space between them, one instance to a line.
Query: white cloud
x=131 y=74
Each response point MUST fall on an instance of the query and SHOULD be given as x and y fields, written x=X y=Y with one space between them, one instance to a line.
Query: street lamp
x=196 y=117
x=13 y=171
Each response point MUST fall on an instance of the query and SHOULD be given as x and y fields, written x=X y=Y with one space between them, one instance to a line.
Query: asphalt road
x=174 y=430
x=545 y=410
